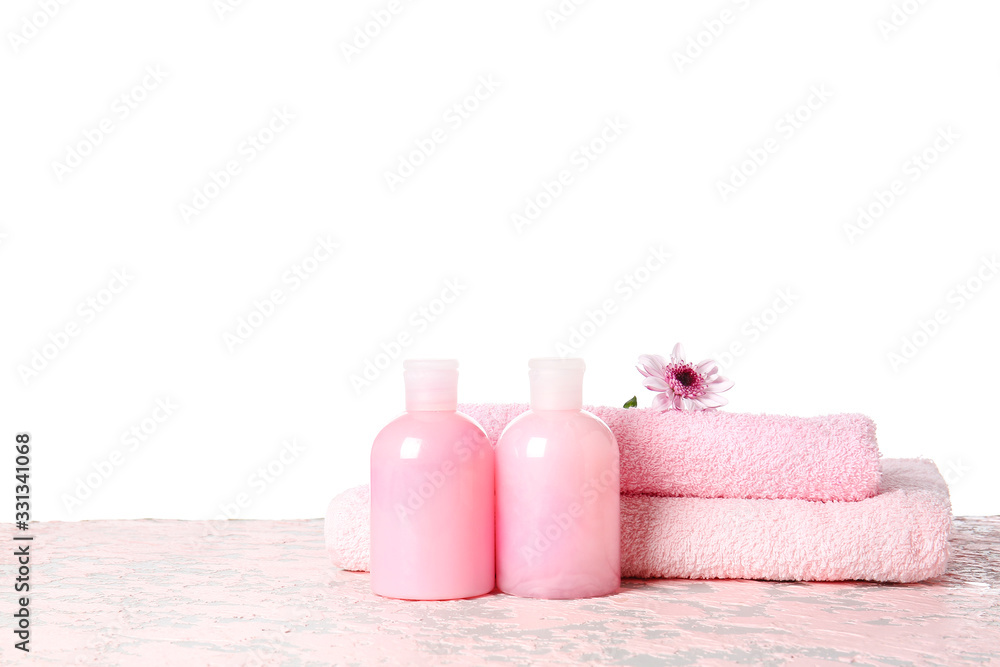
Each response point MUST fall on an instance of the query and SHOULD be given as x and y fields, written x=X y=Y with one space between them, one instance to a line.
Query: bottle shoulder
x=557 y=424
x=429 y=428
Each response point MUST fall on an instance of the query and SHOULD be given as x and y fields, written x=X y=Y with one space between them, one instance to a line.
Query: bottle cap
x=431 y=384
x=556 y=384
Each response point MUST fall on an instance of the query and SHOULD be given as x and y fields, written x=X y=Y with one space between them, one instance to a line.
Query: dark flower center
x=686 y=376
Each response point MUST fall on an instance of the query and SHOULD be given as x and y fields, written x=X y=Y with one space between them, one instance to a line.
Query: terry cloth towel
x=712 y=454
x=900 y=535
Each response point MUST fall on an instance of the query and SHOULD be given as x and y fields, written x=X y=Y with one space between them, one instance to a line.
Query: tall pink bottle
x=432 y=502
x=557 y=477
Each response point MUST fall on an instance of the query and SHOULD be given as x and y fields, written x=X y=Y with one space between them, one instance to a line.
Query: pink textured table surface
x=263 y=593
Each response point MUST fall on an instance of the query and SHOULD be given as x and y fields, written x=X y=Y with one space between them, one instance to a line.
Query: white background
x=685 y=127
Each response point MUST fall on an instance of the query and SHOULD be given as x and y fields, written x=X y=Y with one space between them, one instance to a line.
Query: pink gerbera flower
x=682 y=385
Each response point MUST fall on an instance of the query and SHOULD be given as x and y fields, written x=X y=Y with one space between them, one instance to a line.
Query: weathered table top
x=264 y=593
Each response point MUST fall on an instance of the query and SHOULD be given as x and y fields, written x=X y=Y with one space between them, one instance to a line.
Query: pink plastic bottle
x=432 y=503
x=558 y=522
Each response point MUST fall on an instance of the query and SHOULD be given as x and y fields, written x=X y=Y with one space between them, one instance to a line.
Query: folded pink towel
x=900 y=535
x=714 y=454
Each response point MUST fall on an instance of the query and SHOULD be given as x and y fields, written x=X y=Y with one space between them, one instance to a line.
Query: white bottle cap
x=431 y=384
x=556 y=384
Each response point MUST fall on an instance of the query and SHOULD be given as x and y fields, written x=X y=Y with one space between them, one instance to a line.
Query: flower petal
x=678 y=353
x=678 y=402
x=713 y=400
x=662 y=402
x=708 y=368
x=653 y=365
x=720 y=384
x=657 y=384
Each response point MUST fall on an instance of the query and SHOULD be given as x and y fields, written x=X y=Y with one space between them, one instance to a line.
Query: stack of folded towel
x=721 y=495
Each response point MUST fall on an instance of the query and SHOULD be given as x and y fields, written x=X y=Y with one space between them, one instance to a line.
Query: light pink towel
x=900 y=535
x=730 y=454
